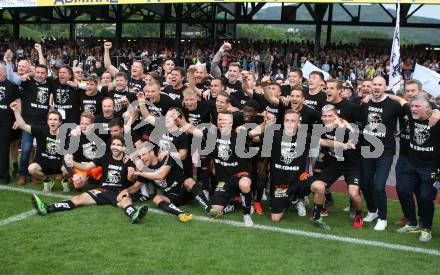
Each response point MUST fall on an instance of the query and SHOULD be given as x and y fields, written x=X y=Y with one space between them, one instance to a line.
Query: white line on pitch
x=18 y=217
x=295 y=232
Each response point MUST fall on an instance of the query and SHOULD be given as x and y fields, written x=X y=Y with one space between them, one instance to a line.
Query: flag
x=309 y=67
x=430 y=80
x=395 y=68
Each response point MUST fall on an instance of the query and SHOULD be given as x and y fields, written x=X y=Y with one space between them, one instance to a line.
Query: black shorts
x=103 y=196
x=179 y=196
x=282 y=195
x=226 y=189
x=330 y=173
x=15 y=134
x=49 y=168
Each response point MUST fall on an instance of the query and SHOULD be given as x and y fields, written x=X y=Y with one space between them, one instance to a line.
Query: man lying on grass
x=117 y=175
x=168 y=177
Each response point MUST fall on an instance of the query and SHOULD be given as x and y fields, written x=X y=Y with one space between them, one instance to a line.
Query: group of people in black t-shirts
x=225 y=140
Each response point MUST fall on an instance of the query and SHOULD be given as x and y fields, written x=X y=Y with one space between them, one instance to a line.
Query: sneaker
x=258 y=207
x=425 y=235
x=47 y=185
x=248 y=220
x=39 y=205
x=321 y=224
x=352 y=213
x=21 y=180
x=371 y=216
x=65 y=185
x=346 y=209
x=184 y=217
x=380 y=225
x=214 y=214
x=139 y=214
x=300 y=208
x=408 y=229
x=358 y=222
x=324 y=213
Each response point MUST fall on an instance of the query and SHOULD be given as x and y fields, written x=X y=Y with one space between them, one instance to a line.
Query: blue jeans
x=26 y=148
x=417 y=179
x=374 y=175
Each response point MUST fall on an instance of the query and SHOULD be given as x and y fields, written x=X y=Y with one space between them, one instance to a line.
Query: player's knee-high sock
x=61 y=206
x=246 y=200
x=129 y=210
x=169 y=208
x=200 y=197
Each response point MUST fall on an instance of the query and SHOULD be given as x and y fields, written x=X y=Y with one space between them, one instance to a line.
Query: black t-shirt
x=405 y=133
x=118 y=95
x=8 y=93
x=114 y=173
x=35 y=101
x=347 y=110
x=202 y=114
x=174 y=94
x=173 y=179
x=286 y=162
x=66 y=101
x=100 y=119
x=424 y=145
x=226 y=162
x=47 y=145
x=386 y=112
x=350 y=157
x=316 y=101
x=277 y=111
x=166 y=140
x=158 y=110
x=309 y=116
x=135 y=86
x=237 y=96
x=86 y=150
x=91 y=104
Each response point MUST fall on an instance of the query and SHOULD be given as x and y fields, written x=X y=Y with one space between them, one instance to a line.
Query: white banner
x=395 y=70
x=17 y=3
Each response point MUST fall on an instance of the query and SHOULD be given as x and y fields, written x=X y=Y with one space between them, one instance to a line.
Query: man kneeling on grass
x=168 y=177
x=47 y=159
x=117 y=175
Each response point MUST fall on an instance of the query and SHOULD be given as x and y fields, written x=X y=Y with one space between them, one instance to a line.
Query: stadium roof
x=61 y=3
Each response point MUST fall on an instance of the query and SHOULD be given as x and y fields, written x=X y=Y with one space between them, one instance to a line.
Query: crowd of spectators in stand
x=346 y=62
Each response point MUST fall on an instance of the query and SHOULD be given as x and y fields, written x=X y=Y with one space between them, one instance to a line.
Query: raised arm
x=215 y=69
x=107 y=62
x=19 y=121
x=41 y=59
x=10 y=74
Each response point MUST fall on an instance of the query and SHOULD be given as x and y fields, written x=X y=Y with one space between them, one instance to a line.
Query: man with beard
x=135 y=84
x=117 y=175
x=424 y=159
x=198 y=79
x=47 y=158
